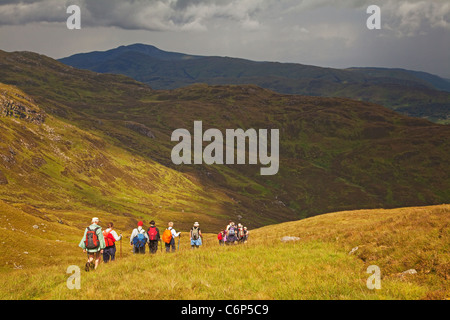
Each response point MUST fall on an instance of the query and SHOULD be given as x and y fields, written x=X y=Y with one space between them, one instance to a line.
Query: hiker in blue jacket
x=139 y=238
x=231 y=233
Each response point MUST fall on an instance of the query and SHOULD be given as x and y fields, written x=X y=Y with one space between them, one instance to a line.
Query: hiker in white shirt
x=139 y=244
x=174 y=235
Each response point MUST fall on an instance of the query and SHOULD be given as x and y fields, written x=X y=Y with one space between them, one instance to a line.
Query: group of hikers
x=233 y=234
x=101 y=244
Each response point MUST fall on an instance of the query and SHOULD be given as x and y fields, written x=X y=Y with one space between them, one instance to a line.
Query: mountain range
x=78 y=140
x=413 y=93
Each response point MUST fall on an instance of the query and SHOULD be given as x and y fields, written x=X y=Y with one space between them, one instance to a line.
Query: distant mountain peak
x=152 y=52
x=413 y=93
x=141 y=47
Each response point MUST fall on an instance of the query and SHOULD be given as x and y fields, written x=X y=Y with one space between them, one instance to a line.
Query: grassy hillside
x=417 y=94
x=77 y=144
x=317 y=266
x=336 y=154
x=407 y=75
x=50 y=164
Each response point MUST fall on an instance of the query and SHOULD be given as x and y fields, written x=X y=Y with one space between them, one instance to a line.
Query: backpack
x=91 y=241
x=220 y=236
x=152 y=233
x=139 y=240
x=109 y=238
x=167 y=236
x=231 y=232
x=195 y=234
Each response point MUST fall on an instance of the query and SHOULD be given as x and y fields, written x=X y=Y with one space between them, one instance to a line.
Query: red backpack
x=109 y=238
x=91 y=241
x=152 y=233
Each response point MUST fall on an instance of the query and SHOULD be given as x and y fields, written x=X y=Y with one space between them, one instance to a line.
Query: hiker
x=231 y=234
x=228 y=226
x=93 y=243
x=221 y=237
x=240 y=233
x=196 y=236
x=169 y=236
x=153 y=237
x=139 y=238
x=110 y=236
x=245 y=234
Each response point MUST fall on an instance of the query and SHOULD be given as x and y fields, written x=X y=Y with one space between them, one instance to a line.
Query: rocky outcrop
x=140 y=128
x=289 y=238
x=18 y=106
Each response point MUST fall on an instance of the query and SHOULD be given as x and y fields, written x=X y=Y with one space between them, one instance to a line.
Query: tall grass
x=318 y=266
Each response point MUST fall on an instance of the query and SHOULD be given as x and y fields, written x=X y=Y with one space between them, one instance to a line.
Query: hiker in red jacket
x=221 y=238
x=153 y=237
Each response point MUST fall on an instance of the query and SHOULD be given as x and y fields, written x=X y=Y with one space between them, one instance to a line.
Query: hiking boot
x=88 y=265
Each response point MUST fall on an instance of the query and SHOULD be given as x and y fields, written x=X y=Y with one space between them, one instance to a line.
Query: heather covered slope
x=50 y=163
x=336 y=154
x=413 y=93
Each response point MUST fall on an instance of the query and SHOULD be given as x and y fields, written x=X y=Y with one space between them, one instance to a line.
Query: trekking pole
x=121 y=248
x=179 y=243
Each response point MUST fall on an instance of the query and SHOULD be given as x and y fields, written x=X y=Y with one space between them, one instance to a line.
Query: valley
x=353 y=177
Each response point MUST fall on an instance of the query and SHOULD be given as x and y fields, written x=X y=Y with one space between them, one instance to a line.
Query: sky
x=414 y=34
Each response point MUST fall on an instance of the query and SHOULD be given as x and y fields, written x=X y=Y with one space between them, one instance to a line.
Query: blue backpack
x=139 y=241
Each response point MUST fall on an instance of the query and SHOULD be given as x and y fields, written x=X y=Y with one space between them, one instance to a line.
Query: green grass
x=318 y=266
x=313 y=270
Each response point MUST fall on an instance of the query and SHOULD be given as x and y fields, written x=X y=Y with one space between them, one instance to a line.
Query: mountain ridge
x=414 y=93
x=336 y=153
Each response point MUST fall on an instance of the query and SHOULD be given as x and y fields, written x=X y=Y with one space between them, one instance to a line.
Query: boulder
x=289 y=238
x=409 y=271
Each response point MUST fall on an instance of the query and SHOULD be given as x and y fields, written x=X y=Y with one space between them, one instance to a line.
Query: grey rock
x=289 y=238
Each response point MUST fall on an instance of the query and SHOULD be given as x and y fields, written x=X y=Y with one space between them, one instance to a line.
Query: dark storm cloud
x=405 y=17
x=154 y=15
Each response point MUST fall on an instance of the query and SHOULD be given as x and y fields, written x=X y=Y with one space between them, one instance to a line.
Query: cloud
x=402 y=17
x=23 y=12
x=154 y=15
x=412 y=18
